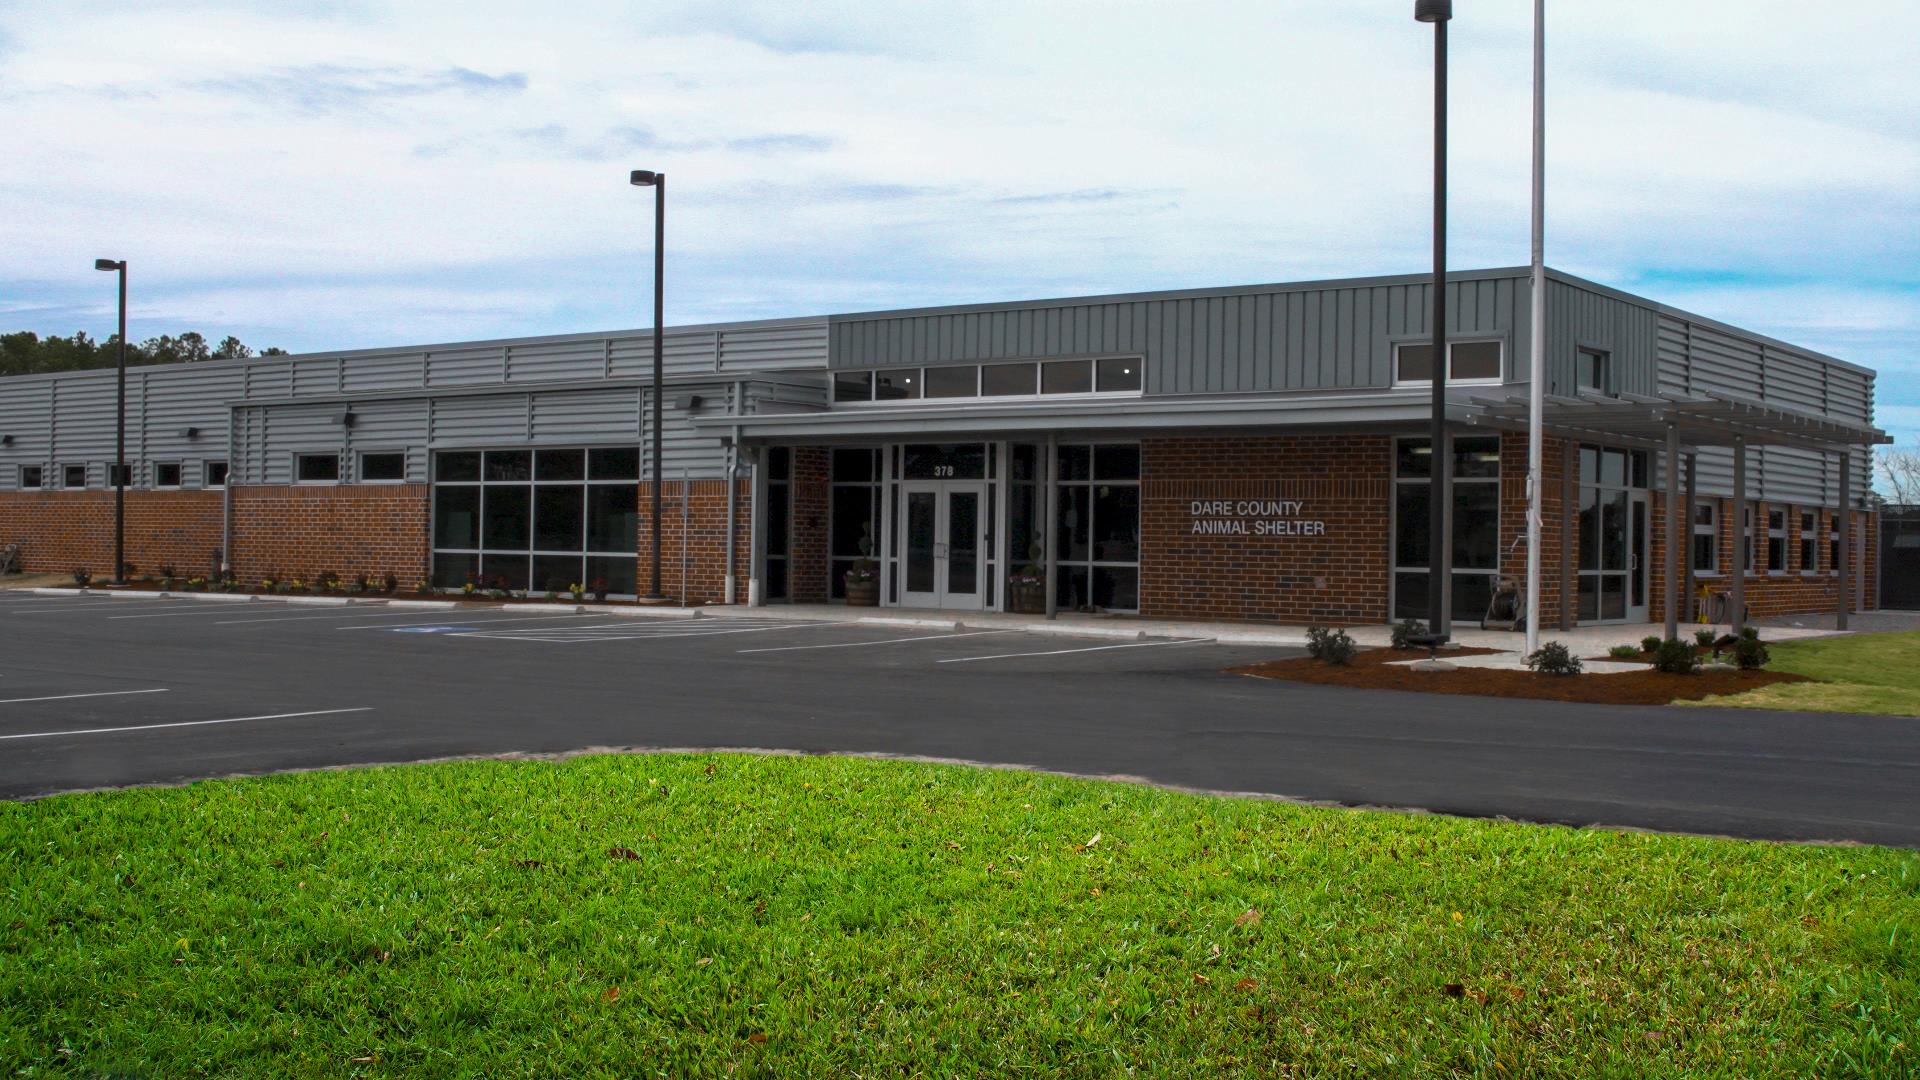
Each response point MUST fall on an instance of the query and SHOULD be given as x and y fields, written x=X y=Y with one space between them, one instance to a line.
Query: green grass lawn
x=1861 y=673
x=784 y=916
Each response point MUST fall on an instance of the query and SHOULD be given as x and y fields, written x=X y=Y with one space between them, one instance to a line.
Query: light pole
x=658 y=182
x=119 y=432
x=1440 y=493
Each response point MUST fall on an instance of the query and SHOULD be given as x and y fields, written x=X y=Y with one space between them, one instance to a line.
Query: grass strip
x=780 y=916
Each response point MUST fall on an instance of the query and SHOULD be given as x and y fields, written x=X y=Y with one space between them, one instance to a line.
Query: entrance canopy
x=1702 y=418
x=1674 y=423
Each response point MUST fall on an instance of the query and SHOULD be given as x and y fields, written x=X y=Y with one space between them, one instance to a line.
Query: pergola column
x=1846 y=540
x=1737 y=595
x=1673 y=531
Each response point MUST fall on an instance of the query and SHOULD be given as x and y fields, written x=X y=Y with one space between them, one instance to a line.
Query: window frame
x=360 y=466
x=1394 y=567
x=1776 y=540
x=1498 y=341
x=1833 y=542
x=1710 y=529
x=481 y=485
x=1090 y=485
x=206 y=473
x=301 y=456
x=179 y=475
x=66 y=478
x=919 y=372
x=1809 y=541
x=1604 y=364
x=39 y=478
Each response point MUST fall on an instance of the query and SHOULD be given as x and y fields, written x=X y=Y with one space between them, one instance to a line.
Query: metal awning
x=1703 y=418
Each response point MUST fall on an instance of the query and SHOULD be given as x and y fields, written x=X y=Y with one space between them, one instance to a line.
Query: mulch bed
x=1373 y=670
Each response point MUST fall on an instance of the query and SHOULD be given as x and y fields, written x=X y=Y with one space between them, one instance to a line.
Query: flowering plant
x=598 y=587
x=577 y=590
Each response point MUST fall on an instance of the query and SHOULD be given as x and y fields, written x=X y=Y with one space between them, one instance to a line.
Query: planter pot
x=863 y=593
x=1027 y=599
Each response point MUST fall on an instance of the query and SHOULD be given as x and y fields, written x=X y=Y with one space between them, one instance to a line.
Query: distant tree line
x=27 y=353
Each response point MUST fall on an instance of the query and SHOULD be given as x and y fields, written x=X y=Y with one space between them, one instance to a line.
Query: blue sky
x=345 y=174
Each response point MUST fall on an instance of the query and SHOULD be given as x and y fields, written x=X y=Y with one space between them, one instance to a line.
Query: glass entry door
x=943 y=544
x=1639 y=557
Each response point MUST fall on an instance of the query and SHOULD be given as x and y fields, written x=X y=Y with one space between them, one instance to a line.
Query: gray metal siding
x=1261 y=339
x=1698 y=356
x=1577 y=317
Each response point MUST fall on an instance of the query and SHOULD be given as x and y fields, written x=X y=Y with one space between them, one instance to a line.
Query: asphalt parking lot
x=107 y=691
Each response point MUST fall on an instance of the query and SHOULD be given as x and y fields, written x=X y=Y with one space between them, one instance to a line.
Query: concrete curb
x=883 y=620
x=318 y=601
x=218 y=597
x=569 y=609
x=649 y=612
x=430 y=605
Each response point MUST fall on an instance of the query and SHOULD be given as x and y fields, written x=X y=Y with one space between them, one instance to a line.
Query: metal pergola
x=1679 y=424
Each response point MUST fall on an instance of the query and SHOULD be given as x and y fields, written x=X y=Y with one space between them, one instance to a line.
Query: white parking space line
x=1064 y=652
x=210 y=609
x=564 y=635
x=887 y=641
x=454 y=618
x=342 y=613
x=181 y=723
x=69 y=697
x=71 y=605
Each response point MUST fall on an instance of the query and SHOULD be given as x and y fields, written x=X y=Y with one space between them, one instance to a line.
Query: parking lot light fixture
x=658 y=182
x=119 y=430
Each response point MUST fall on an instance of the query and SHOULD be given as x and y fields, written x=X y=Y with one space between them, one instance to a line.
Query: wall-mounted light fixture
x=687 y=402
x=190 y=433
x=344 y=419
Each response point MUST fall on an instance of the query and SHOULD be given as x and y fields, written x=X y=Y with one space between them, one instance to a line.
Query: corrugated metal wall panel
x=553 y=361
x=175 y=399
x=1578 y=318
x=84 y=420
x=487 y=420
x=388 y=371
x=681 y=354
x=1258 y=340
x=315 y=377
x=391 y=425
x=466 y=367
x=587 y=416
x=296 y=429
x=26 y=413
x=267 y=379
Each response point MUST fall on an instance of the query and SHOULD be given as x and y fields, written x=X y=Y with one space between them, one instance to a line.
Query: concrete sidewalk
x=1584 y=640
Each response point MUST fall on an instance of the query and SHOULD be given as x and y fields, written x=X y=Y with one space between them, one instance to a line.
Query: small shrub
x=1704 y=637
x=389 y=583
x=1405 y=631
x=1625 y=652
x=1330 y=646
x=1650 y=643
x=82 y=576
x=1749 y=654
x=1750 y=632
x=1675 y=657
x=1553 y=658
x=423 y=586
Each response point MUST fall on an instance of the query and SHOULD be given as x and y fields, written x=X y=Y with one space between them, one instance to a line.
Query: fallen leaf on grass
x=757 y=1038
x=1454 y=990
x=612 y=993
x=703 y=961
x=1250 y=917
x=367 y=1060
x=626 y=853
x=1201 y=979
x=1247 y=984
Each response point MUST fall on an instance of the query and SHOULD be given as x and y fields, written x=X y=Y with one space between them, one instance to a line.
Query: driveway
x=98 y=692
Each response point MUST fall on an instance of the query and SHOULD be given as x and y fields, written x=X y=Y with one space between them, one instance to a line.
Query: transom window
x=538 y=520
x=1467 y=362
x=316 y=468
x=1026 y=378
x=384 y=467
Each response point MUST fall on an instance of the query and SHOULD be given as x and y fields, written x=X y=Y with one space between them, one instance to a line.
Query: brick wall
x=63 y=530
x=1337 y=576
x=1513 y=520
x=809 y=566
x=350 y=529
x=701 y=546
x=1790 y=592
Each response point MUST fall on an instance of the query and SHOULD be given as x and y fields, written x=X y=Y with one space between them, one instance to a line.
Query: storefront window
x=854 y=512
x=1022 y=378
x=1474 y=525
x=1097 y=530
x=536 y=520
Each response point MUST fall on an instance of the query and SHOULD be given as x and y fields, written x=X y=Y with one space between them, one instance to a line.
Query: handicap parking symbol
x=427 y=629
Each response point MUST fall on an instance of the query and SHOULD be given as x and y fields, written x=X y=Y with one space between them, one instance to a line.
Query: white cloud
x=357 y=174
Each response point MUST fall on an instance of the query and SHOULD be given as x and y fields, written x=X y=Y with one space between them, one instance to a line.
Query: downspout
x=733 y=486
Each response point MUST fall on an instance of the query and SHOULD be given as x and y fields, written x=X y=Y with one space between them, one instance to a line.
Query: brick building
x=1254 y=453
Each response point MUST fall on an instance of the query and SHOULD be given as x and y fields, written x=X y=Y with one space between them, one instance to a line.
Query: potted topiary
x=1027 y=588
x=863 y=579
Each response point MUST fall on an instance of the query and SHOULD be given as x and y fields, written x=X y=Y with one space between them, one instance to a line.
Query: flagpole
x=1537 y=345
